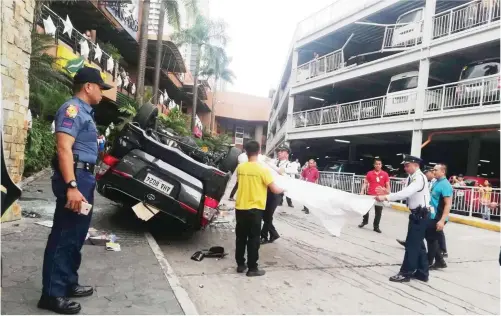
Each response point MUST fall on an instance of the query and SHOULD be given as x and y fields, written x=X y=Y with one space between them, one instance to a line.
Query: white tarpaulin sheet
x=331 y=206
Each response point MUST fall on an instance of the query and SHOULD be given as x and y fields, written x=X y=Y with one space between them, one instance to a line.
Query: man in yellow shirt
x=253 y=181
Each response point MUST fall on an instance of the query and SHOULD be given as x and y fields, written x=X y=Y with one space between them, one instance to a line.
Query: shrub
x=40 y=148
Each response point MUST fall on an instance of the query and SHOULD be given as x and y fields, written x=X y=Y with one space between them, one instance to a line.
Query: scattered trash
x=144 y=212
x=30 y=214
x=201 y=286
x=112 y=246
x=45 y=223
x=40 y=191
x=213 y=252
x=277 y=257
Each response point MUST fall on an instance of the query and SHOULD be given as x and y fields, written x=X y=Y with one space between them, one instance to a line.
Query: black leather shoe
x=437 y=266
x=255 y=272
x=264 y=241
x=445 y=254
x=400 y=278
x=241 y=268
x=362 y=225
x=291 y=205
x=272 y=239
x=377 y=230
x=81 y=291
x=420 y=277
x=59 y=305
x=401 y=242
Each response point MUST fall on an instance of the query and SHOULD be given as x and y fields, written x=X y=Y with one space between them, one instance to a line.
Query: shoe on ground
x=59 y=305
x=400 y=278
x=255 y=272
x=290 y=205
x=306 y=211
x=401 y=242
x=362 y=225
x=437 y=266
x=445 y=254
x=264 y=241
x=81 y=291
x=377 y=230
x=272 y=239
x=420 y=277
x=241 y=268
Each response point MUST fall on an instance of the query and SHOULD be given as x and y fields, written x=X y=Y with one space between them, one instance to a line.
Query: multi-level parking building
x=391 y=76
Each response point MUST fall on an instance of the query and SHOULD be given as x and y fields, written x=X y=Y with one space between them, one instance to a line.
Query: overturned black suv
x=164 y=172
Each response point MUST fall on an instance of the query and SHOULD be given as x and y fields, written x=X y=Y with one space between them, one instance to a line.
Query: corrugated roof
x=240 y=106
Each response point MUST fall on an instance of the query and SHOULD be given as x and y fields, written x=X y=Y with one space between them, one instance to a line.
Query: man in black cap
x=73 y=184
x=415 y=264
x=288 y=168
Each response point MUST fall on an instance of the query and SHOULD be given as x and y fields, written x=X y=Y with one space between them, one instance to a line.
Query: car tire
x=230 y=162
x=146 y=116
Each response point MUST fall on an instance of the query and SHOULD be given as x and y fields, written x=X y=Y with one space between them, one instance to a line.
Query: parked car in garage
x=478 y=83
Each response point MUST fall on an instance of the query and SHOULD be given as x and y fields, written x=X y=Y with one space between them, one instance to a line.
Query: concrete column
x=258 y=134
x=473 y=155
x=417 y=140
x=424 y=73
x=295 y=57
x=352 y=153
x=429 y=11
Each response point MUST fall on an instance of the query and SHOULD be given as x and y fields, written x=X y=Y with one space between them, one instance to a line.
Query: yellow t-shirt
x=253 y=180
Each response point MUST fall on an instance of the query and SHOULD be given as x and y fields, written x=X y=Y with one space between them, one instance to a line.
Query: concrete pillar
x=473 y=155
x=352 y=153
x=417 y=140
x=258 y=134
x=424 y=73
x=429 y=11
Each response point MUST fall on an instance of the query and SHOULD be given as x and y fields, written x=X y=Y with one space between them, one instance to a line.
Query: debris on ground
x=201 y=286
x=112 y=246
x=30 y=214
x=45 y=223
x=213 y=252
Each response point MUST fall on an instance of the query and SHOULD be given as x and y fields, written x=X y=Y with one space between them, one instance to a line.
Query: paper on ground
x=144 y=212
x=45 y=223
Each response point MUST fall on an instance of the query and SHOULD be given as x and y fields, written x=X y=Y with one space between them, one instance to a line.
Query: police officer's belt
x=85 y=165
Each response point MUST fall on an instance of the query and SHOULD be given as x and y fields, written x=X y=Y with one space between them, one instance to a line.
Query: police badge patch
x=71 y=111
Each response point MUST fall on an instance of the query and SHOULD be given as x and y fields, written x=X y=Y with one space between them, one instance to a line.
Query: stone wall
x=16 y=26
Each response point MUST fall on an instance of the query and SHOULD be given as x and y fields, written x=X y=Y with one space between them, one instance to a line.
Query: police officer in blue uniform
x=73 y=182
x=415 y=264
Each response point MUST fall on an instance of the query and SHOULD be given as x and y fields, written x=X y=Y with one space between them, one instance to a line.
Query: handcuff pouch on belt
x=76 y=164
x=419 y=213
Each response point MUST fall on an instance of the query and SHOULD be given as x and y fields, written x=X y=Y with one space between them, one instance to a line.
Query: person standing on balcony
x=441 y=202
x=312 y=175
x=415 y=263
x=73 y=184
x=374 y=179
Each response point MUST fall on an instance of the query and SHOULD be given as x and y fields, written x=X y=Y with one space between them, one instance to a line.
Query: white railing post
x=383 y=106
x=384 y=37
x=352 y=183
x=359 y=110
x=305 y=118
x=491 y=8
x=442 y=102
x=321 y=116
x=482 y=92
x=338 y=114
x=451 y=15
x=472 y=198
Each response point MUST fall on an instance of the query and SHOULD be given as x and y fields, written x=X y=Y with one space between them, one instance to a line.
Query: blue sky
x=260 y=34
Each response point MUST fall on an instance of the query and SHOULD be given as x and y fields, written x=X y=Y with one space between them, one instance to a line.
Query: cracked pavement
x=311 y=272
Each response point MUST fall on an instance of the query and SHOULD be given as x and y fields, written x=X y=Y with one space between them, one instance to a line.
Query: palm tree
x=143 y=51
x=171 y=8
x=204 y=34
x=217 y=68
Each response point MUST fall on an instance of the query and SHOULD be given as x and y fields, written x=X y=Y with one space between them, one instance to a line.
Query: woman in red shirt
x=310 y=174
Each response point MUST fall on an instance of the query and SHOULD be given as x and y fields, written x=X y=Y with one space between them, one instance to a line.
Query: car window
x=480 y=70
x=414 y=16
x=403 y=84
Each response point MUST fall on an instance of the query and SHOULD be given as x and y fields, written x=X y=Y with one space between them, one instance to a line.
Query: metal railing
x=274 y=138
x=358 y=110
x=468 y=201
x=465 y=17
x=467 y=93
x=320 y=66
x=75 y=40
x=330 y=14
x=402 y=36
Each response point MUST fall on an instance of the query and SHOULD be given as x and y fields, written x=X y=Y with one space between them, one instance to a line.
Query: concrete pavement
x=127 y=282
x=312 y=272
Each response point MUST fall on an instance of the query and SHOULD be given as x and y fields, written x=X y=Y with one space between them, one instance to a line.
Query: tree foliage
x=40 y=148
x=175 y=120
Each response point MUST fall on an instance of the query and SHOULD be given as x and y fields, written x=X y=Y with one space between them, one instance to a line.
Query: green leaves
x=175 y=120
x=40 y=148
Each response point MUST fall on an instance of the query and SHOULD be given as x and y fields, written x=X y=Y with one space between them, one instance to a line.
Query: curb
x=33 y=177
x=182 y=296
x=457 y=219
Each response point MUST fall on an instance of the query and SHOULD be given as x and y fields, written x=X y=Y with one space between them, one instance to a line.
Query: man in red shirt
x=374 y=179
x=310 y=174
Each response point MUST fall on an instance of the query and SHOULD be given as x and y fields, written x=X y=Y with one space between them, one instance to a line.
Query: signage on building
x=71 y=62
x=126 y=14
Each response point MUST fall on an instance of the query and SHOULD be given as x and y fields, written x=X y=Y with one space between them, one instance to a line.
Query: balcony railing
x=402 y=36
x=274 y=138
x=74 y=42
x=465 y=17
x=392 y=105
x=466 y=93
x=320 y=66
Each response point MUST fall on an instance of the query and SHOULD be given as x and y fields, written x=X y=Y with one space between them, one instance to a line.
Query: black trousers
x=289 y=201
x=271 y=205
x=415 y=259
x=441 y=241
x=432 y=237
x=378 y=209
x=247 y=233
x=234 y=190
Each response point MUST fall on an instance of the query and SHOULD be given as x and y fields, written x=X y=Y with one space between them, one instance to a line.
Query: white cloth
x=415 y=191
x=289 y=167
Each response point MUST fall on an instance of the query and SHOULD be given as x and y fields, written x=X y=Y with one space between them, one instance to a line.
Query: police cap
x=284 y=148
x=411 y=159
x=90 y=75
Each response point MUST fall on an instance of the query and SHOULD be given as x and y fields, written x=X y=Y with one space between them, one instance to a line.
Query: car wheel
x=230 y=162
x=146 y=117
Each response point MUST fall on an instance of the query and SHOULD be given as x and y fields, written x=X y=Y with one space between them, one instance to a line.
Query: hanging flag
x=133 y=89
x=84 y=49
x=49 y=26
x=68 y=27
x=119 y=81
x=98 y=53
x=126 y=82
x=110 y=64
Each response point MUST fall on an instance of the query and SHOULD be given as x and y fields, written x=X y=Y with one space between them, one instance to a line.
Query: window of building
x=239 y=135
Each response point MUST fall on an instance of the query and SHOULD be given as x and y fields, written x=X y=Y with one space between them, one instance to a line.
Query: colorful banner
x=71 y=62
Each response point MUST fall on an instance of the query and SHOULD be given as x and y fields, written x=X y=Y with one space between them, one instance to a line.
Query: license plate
x=158 y=184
